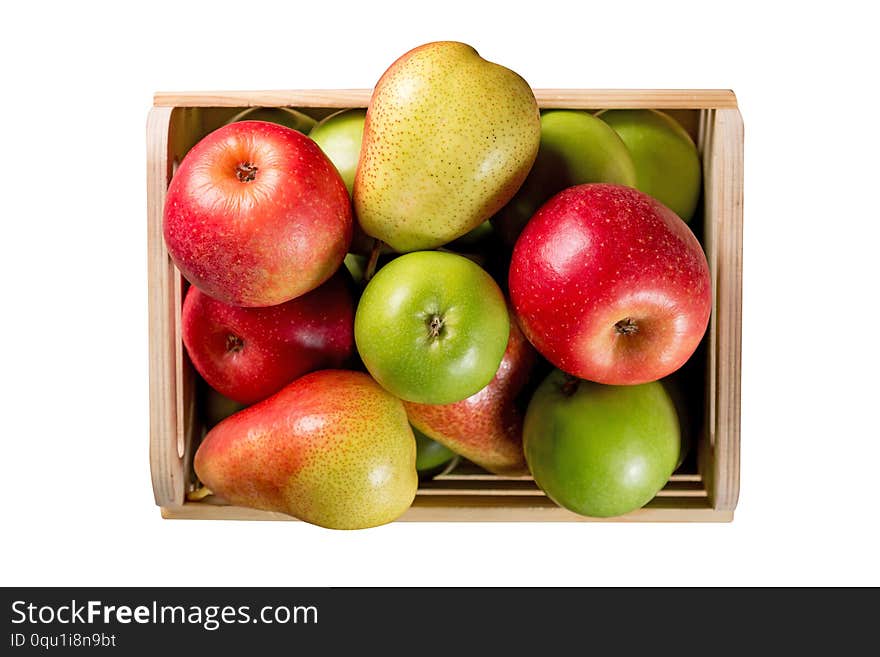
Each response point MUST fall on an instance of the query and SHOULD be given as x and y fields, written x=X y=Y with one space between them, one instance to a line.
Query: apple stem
x=373 y=261
x=245 y=171
x=570 y=385
x=199 y=493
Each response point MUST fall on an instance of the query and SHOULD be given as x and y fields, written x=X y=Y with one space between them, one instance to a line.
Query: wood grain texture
x=547 y=98
x=453 y=484
x=166 y=465
x=474 y=509
x=724 y=213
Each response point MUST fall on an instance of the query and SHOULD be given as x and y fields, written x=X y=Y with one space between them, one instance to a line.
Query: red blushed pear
x=610 y=285
x=257 y=215
x=333 y=448
x=485 y=428
x=247 y=354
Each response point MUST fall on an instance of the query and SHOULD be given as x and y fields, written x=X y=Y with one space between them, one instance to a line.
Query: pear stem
x=199 y=493
x=370 y=271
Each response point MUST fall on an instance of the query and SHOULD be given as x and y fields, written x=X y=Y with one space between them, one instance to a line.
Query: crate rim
x=550 y=98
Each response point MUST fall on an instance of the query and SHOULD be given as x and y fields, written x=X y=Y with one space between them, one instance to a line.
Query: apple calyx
x=435 y=326
x=246 y=172
x=234 y=344
x=627 y=326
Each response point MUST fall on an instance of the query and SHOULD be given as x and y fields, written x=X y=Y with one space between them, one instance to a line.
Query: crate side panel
x=727 y=193
x=165 y=463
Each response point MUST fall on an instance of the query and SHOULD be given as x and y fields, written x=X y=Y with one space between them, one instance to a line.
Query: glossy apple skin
x=261 y=241
x=600 y=450
x=485 y=428
x=610 y=285
x=393 y=327
x=666 y=159
x=248 y=354
x=576 y=148
x=332 y=448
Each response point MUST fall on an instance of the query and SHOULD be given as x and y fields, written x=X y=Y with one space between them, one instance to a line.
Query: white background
x=77 y=83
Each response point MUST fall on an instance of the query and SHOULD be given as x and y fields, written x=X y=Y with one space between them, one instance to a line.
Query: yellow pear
x=448 y=140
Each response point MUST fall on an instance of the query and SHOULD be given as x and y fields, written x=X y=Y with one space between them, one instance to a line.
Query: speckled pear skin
x=448 y=140
x=332 y=448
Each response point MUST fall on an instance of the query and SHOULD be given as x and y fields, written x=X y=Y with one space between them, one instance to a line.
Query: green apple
x=600 y=450
x=286 y=116
x=432 y=458
x=432 y=327
x=666 y=159
x=576 y=148
x=339 y=136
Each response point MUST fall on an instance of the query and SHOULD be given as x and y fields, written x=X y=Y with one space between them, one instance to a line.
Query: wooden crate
x=704 y=489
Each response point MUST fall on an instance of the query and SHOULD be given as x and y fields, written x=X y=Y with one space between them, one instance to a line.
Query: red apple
x=610 y=285
x=485 y=428
x=248 y=354
x=257 y=215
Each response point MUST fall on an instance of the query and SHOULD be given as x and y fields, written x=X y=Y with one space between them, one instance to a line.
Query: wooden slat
x=686 y=476
x=503 y=490
x=663 y=99
x=511 y=487
x=182 y=377
x=478 y=474
x=475 y=509
x=549 y=98
x=725 y=189
x=165 y=463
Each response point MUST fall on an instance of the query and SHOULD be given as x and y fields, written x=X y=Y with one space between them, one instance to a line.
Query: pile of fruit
x=450 y=272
